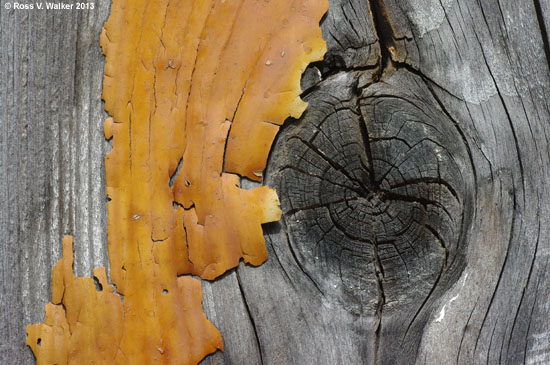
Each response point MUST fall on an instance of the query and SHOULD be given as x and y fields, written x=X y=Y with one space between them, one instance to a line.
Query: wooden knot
x=376 y=191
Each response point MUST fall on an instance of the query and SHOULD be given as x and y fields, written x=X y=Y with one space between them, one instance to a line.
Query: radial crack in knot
x=375 y=191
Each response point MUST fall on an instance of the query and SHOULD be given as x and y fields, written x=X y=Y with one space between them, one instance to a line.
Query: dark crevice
x=98 y=285
x=333 y=164
x=428 y=180
x=351 y=24
x=154 y=240
x=434 y=286
x=187 y=246
x=366 y=141
x=457 y=128
x=320 y=205
x=531 y=267
x=175 y=174
x=177 y=204
x=414 y=199
x=509 y=119
x=252 y=322
x=351 y=188
x=464 y=333
x=366 y=186
x=441 y=242
x=299 y=170
x=334 y=64
x=228 y=135
x=329 y=69
x=384 y=32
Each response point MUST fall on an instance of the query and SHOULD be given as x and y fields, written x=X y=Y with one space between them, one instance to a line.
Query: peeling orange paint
x=200 y=84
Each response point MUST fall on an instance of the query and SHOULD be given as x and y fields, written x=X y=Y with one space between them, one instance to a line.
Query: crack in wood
x=417 y=187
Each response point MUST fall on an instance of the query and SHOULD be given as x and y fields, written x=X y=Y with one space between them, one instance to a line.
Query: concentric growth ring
x=374 y=190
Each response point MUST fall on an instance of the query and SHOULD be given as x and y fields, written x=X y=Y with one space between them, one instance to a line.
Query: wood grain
x=52 y=166
x=483 y=66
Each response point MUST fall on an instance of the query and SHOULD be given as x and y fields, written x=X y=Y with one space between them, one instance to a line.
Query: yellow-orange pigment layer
x=197 y=90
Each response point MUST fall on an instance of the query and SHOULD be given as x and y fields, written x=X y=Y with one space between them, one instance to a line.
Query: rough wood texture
x=51 y=167
x=187 y=83
x=480 y=71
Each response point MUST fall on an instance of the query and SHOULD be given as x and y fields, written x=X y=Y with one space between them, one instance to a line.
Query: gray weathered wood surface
x=450 y=96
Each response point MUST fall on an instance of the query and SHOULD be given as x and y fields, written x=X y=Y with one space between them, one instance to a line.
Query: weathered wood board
x=436 y=111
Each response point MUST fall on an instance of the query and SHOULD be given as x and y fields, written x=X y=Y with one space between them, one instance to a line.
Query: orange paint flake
x=200 y=84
